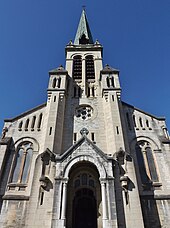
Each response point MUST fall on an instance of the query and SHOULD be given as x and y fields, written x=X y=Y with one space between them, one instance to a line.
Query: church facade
x=85 y=158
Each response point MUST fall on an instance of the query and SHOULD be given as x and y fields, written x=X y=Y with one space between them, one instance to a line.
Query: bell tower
x=93 y=93
x=92 y=133
x=84 y=60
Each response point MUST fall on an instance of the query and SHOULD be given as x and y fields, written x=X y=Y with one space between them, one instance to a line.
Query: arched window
x=39 y=122
x=146 y=163
x=58 y=82
x=147 y=123
x=22 y=163
x=112 y=81
x=90 y=67
x=54 y=83
x=77 y=67
x=134 y=120
x=108 y=82
x=33 y=122
x=140 y=121
x=20 y=126
x=26 y=124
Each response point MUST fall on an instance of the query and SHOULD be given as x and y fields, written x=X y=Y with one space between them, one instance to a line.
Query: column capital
x=65 y=180
x=103 y=180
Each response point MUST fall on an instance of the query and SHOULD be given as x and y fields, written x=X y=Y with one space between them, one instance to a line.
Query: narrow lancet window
x=140 y=121
x=93 y=91
x=33 y=122
x=39 y=122
x=134 y=120
x=54 y=82
x=41 y=197
x=58 y=82
x=26 y=124
x=75 y=138
x=112 y=81
x=77 y=67
x=92 y=137
x=50 y=131
x=117 y=130
x=147 y=123
x=108 y=82
x=20 y=126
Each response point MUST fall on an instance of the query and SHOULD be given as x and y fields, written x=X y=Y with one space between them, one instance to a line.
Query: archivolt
x=101 y=169
x=28 y=139
x=153 y=144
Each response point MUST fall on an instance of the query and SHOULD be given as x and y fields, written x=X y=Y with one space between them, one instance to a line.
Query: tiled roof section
x=83 y=29
x=58 y=70
x=108 y=70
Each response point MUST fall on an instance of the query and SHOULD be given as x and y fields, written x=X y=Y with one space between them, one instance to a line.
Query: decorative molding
x=15 y=197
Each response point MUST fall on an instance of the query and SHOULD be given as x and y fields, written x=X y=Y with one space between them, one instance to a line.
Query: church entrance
x=84 y=209
x=83 y=197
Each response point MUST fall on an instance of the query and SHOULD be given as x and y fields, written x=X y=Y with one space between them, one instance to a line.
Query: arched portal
x=84 y=208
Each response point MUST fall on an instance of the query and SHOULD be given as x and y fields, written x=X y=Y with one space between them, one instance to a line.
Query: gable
x=83 y=147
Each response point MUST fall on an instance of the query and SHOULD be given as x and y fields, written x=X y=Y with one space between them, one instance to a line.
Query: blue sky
x=135 y=35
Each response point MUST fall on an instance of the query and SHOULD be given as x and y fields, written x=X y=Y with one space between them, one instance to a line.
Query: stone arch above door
x=86 y=158
x=84 y=150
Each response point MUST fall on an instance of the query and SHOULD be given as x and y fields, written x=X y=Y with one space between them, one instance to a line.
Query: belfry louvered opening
x=90 y=74
x=77 y=67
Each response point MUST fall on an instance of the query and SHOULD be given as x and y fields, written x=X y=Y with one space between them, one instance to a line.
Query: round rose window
x=84 y=112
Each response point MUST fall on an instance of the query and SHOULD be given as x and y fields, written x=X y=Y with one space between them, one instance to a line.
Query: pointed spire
x=83 y=35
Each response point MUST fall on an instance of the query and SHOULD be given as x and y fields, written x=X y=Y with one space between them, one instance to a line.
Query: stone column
x=104 y=203
x=111 y=203
x=84 y=86
x=56 y=203
x=64 y=201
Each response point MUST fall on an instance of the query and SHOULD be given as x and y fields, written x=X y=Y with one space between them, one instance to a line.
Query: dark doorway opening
x=84 y=209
